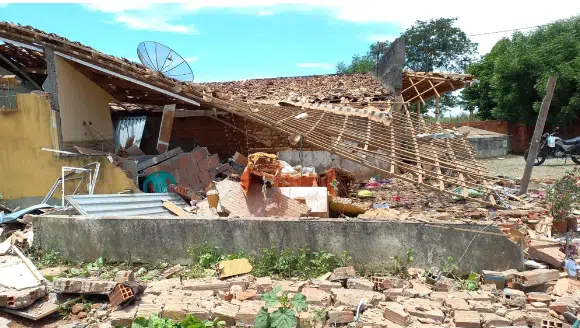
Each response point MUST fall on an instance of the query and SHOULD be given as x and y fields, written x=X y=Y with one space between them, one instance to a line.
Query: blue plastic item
x=159 y=182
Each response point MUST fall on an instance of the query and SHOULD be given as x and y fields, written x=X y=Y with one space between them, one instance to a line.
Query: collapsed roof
x=349 y=115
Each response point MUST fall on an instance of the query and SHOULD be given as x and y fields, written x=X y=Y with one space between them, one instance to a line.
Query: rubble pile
x=353 y=88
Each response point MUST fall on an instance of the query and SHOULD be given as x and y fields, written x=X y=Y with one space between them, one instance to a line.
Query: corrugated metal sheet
x=128 y=127
x=143 y=204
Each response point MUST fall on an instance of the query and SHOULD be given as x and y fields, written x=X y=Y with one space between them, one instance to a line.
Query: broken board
x=44 y=307
x=226 y=269
x=316 y=198
x=175 y=209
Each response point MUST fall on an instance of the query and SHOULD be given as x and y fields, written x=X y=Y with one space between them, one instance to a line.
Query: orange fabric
x=269 y=168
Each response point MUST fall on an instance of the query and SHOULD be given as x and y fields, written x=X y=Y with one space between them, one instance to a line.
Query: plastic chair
x=158 y=181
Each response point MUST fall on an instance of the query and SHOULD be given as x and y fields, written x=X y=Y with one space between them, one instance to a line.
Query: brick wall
x=224 y=140
x=494 y=126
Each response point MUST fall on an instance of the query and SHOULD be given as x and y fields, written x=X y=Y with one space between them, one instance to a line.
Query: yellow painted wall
x=28 y=171
x=81 y=99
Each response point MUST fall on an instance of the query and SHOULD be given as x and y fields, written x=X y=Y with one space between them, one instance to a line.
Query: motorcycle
x=556 y=147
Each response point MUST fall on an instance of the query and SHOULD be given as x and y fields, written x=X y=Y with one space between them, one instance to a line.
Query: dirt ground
x=513 y=166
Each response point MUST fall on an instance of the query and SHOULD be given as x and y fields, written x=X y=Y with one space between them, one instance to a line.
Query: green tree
x=512 y=77
x=438 y=45
x=429 y=46
x=364 y=63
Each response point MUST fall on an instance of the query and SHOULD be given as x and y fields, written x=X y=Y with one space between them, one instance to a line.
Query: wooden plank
x=226 y=269
x=392 y=167
x=367 y=138
x=419 y=94
x=165 y=130
x=175 y=209
x=342 y=130
x=415 y=145
x=158 y=159
x=51 y=86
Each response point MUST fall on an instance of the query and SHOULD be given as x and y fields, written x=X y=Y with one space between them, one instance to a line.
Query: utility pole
x=533 y=151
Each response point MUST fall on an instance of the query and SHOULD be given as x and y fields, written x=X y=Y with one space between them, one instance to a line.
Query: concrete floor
x=513 y=166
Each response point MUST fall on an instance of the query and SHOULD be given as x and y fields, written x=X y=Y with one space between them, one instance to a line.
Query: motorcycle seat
x=572 y=141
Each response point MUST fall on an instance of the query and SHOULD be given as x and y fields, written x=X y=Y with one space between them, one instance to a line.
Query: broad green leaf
x=284 y=318
x=262 y=319
x=191 y=322
x=271 y=298
x=299 y=302
x=140 y=323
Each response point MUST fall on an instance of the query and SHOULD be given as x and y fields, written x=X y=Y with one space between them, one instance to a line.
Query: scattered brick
x=316 y=296
x=326 y=285
x=199 y=312
x=227 y=313
x=264 y=284
x=360 y=283
x=145 y=310
x=467 y=319
x=171 y=271
x=248 y=311
x=340 y=316
x=547 y=252
x=119 y=295
x=493 y=320
x=382 y=283
x=175 y=311
x=517 y=318
x=343 y=273
x=352 y=297
x=213 y=284
x=457 y=304
x=514 y=297
x=539 y=297
x=396 y=313
x=535 y=277
x=563 y=304
x=422 y=308
x=123 y=317
x=124 y=275
x=551 y=323
x=245 y=295
x=83 y=286
x=292 y=286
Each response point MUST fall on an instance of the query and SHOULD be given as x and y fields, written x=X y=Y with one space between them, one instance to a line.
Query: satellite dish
x=162 y=59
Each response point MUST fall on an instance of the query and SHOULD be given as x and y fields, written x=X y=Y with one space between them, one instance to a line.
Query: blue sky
x=230 y=40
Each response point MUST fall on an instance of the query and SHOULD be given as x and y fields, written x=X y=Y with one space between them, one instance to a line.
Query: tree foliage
x=514 y=74
x=434 y=45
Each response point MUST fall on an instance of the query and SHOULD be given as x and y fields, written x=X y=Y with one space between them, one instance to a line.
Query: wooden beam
x=165 y=130
x=18 y=70
x=419 y=94
x=35 y=70
x=437 y=113
x=422 y=93
x=52 y=88
x=533 y=151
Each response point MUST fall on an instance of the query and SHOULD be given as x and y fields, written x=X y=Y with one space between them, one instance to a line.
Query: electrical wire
x=511 y=30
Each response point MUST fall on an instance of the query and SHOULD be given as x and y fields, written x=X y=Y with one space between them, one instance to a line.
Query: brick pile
x=195 y=169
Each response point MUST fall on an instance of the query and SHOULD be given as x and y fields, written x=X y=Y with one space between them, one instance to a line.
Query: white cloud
x=190 y=59
x=118 y=6
x=264 y=12
x=154 y=24
x=480 y=17
x=324 y=66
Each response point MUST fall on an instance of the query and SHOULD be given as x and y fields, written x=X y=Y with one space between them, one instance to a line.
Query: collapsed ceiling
x=349 y=115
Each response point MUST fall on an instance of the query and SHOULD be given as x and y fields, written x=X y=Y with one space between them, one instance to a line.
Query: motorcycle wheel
x=575 y=159
x=540 y=159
